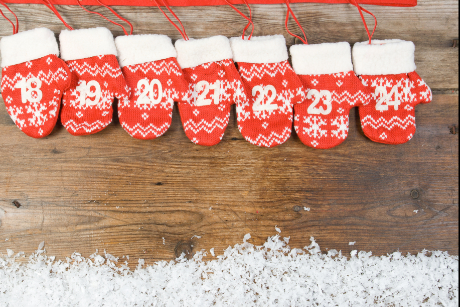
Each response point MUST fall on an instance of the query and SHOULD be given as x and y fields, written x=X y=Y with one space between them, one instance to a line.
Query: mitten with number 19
x=155 y=79
x=332 y=89
x=265 y=119
x=387 y=68
x=96 y=79
x=33 y=80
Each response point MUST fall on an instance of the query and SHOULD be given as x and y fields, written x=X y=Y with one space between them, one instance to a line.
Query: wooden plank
x=110 y=191
x=432 y=25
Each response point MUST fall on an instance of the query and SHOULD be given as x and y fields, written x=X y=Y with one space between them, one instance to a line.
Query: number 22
x=263 y=91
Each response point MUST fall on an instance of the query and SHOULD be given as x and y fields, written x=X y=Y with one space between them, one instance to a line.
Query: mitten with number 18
x=387 y=68
x=33 y=80
x=96 y=80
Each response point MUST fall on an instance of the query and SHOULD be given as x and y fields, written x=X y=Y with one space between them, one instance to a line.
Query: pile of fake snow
x=245 y=275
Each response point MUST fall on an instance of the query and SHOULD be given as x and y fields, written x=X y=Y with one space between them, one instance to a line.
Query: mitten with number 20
x=96 y=80
x=265 y=119
x=33 y=80
x=387 y=68
x=332 y=89
x=155 y=80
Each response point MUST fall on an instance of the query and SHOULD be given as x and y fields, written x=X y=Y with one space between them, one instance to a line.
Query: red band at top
x=215 y=2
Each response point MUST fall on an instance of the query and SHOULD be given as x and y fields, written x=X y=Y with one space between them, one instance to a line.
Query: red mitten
x=266 y=118
x=332 y=89
x=155 y=80
x=33 y=81
x=214 y=85
x=387 y=67
x=96 y=79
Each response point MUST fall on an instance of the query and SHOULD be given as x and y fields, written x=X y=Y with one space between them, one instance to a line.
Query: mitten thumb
x=422 y=90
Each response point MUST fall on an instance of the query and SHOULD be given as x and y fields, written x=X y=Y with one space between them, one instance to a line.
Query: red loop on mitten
x=155 y=80
x=214 y=85
x=332 y=89
x=96 y=80
x=387 y=68
x=265 y=119
x=33 y=80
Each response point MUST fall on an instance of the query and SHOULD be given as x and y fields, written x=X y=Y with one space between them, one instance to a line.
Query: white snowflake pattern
x=341 y=122
x=14 y=112
x=38 y=118
x=314 y=130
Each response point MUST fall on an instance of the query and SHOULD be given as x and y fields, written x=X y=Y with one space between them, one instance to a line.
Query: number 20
x=146 y=96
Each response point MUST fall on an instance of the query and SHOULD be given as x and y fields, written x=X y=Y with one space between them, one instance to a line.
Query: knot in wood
x=185 y=248
x=414 y=194
x=296 y=208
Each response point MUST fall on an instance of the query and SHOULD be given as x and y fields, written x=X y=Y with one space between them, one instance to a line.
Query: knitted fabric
x=332 y=89
x=32 y=85
x=265 y=119
x=155 y=81
x=96 y=80
x=387 y=69
x=214 y=85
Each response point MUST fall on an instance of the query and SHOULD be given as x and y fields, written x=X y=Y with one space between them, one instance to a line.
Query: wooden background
x=150 y=199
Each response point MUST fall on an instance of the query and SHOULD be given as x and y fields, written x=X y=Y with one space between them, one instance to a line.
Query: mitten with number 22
x=265 y=119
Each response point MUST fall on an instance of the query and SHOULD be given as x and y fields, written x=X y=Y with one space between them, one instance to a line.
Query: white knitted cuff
x=138 y=49
x=195 y=52
x=327 y=58
x=86 y=43
x=260 y=49
x=28 y=45
x=384 y=57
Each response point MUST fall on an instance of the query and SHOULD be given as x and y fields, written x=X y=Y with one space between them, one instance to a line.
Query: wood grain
x=431 y=25
x=110 y=191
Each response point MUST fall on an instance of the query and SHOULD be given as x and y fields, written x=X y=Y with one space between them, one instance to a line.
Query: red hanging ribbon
x=364 y=20
x=245 y=17
x=15 y=28
x=289 y=11
x=53 y=9
x=184 y=35
x=115 y=23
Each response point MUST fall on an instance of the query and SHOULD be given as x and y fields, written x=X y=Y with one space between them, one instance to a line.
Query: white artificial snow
x=212 y=252
x=415 y=211
x=306 y=209
x=351 y=243
x=244 y=275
